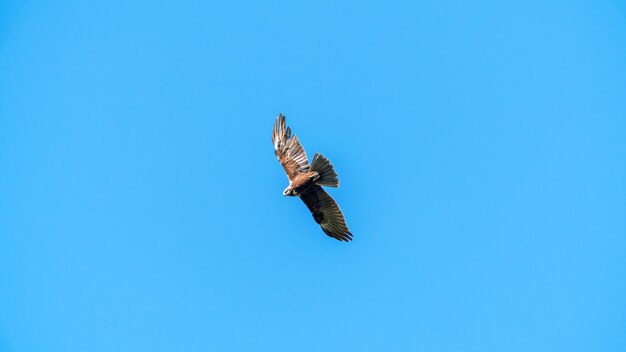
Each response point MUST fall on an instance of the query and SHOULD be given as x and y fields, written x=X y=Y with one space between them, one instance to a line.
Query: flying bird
x=306 y=181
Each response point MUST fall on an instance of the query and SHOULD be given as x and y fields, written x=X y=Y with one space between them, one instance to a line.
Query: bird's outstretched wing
x=288 y=149
x=326 y=212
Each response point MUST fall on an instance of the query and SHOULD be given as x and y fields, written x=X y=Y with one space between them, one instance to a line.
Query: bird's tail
x=328 y=176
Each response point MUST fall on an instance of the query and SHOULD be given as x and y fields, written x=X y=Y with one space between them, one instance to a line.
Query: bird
x=306 y=180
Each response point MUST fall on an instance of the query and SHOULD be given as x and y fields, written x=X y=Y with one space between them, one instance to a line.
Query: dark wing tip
x=334 y=225
x=326 y=213
x=344 y=236
x=281 y=121
x=281 y=133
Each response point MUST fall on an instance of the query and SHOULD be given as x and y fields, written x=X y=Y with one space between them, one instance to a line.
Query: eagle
x=306 y=180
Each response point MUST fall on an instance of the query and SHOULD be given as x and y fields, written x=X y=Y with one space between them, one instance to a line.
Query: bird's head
x=288 y=192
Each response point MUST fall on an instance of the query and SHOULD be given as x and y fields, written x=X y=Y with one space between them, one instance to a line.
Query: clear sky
x=481 y=148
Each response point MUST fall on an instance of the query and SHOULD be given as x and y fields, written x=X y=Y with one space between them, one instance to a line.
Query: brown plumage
x=306 y=180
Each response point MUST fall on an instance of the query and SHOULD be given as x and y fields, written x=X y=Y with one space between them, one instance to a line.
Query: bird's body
x=306 y=181
x=302 y=182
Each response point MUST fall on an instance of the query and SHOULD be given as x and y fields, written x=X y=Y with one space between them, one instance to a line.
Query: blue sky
x=480 y=146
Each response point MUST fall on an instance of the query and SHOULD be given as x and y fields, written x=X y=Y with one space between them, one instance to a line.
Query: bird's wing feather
x=326 y=213
x=288 y=149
